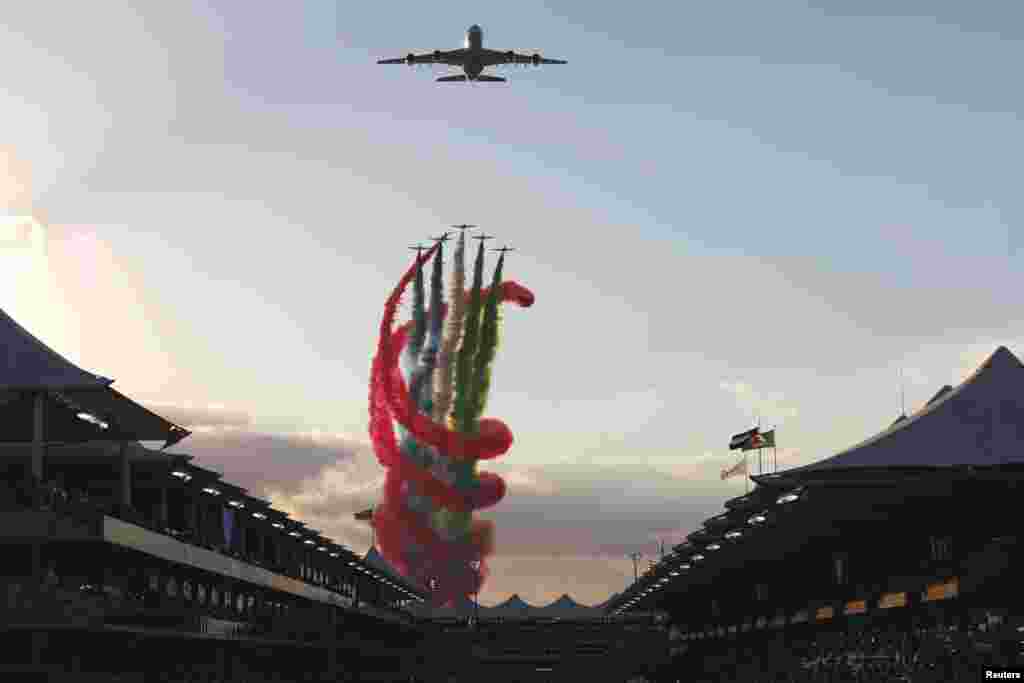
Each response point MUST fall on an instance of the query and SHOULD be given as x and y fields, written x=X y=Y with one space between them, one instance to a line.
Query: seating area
x=877 y=654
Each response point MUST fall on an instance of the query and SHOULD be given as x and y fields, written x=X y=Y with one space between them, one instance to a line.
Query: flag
x=736 y=470
x=766 y=440
x=742 y=439
x=365 y=515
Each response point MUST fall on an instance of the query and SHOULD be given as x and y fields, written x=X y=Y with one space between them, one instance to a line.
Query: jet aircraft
x=473 y=59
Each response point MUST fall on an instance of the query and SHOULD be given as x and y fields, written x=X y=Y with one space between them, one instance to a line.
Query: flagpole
x=760 y=462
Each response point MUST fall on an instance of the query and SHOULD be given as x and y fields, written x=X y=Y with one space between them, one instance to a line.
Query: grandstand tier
x=905 y=538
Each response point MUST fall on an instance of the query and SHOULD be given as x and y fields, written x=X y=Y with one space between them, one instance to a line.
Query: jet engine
x=535 y=59
x=437 y=55
x=410 y=59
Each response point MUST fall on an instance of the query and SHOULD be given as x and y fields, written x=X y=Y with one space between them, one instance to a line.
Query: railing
x=50 y=497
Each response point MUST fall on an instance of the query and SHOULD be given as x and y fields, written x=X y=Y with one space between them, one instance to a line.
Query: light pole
x=636 y=558
x=475 y=564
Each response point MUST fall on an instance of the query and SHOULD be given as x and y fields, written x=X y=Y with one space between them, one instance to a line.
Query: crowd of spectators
x=55 y=496
x=876 y=654
x=52 y=495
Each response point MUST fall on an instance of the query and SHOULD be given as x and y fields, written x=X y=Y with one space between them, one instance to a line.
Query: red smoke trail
x=406 y=540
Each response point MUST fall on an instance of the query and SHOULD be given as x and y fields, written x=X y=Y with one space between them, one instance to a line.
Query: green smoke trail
x=456 y=318
x=419 y=316
x=435 y=335
x=488 y=345
x=464 y=420
x=421 y=384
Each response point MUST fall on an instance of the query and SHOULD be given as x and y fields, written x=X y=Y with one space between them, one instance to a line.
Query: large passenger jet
x=473 y=59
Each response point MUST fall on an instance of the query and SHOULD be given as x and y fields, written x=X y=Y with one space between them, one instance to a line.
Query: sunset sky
x=726 y=210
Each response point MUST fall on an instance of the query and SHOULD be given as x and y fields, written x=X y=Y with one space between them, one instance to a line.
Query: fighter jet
x=473 y=59
x=464 y=227
x=443 y=238
x=504 y=249
x=483 y=237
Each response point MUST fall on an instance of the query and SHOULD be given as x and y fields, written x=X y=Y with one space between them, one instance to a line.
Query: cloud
x=563 y=528
x=328 y=500
x=201 y=418
x=528 y=482
x=261 y=460
x=15 y=180
x=770 y=407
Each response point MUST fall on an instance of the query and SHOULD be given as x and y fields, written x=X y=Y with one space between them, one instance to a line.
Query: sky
x=728 y=212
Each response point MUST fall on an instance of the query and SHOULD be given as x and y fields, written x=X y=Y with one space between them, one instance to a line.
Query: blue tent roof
x=27 y=363
x=979 y=423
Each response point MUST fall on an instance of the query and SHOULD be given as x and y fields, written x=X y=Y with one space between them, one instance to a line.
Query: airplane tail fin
x=451 y=79
x=491 y=79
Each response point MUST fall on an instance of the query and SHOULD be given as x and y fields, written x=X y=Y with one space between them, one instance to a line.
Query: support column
x=126 y=476
x=191 y=512
x=240 y=529
x=162 y=511
x=219 y=668
x=38 y=645
x=37 y=561
x=38 y=445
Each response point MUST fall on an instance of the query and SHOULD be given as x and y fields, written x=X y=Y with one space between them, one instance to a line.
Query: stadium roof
x=27 y=363
x=976 y=426
x=376 y=561
x=980 y=423
x=72 y=394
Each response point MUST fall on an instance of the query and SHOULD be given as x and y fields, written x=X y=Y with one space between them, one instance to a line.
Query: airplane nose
x=475 y=29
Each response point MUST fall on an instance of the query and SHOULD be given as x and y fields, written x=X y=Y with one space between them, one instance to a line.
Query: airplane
x=464 y=227
x=443 y=238
x=473 y=59
x=418 y=249
x=483 y=237
x=503 y=250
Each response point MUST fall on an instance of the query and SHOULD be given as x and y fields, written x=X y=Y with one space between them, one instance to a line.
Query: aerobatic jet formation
x=473 y=59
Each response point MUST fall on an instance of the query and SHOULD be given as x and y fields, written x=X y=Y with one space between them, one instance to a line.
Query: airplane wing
x=495 y=57
x=450 y=57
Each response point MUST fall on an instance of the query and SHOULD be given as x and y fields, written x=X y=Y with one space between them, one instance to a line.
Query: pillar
x=219 y=671
x=240 y=529
x=190 y=513
x=37 y=561
x=162 y=520
x=38 y=445
x=126 y=476
x=38 y=646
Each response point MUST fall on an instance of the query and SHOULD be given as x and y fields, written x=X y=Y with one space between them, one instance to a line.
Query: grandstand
x=120 y=559
x=898 y=557
x=124 y=562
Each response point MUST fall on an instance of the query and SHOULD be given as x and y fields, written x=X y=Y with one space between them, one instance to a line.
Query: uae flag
x=743 y=439
x=766 y=440
x=736 y=470
x=364 y=516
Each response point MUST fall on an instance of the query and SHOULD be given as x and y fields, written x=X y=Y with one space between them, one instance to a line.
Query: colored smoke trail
x=464 y=421
x=424 y=522
x=453 y=335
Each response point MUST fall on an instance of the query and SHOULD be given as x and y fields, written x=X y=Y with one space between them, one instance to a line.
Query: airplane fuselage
x=474 y=64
